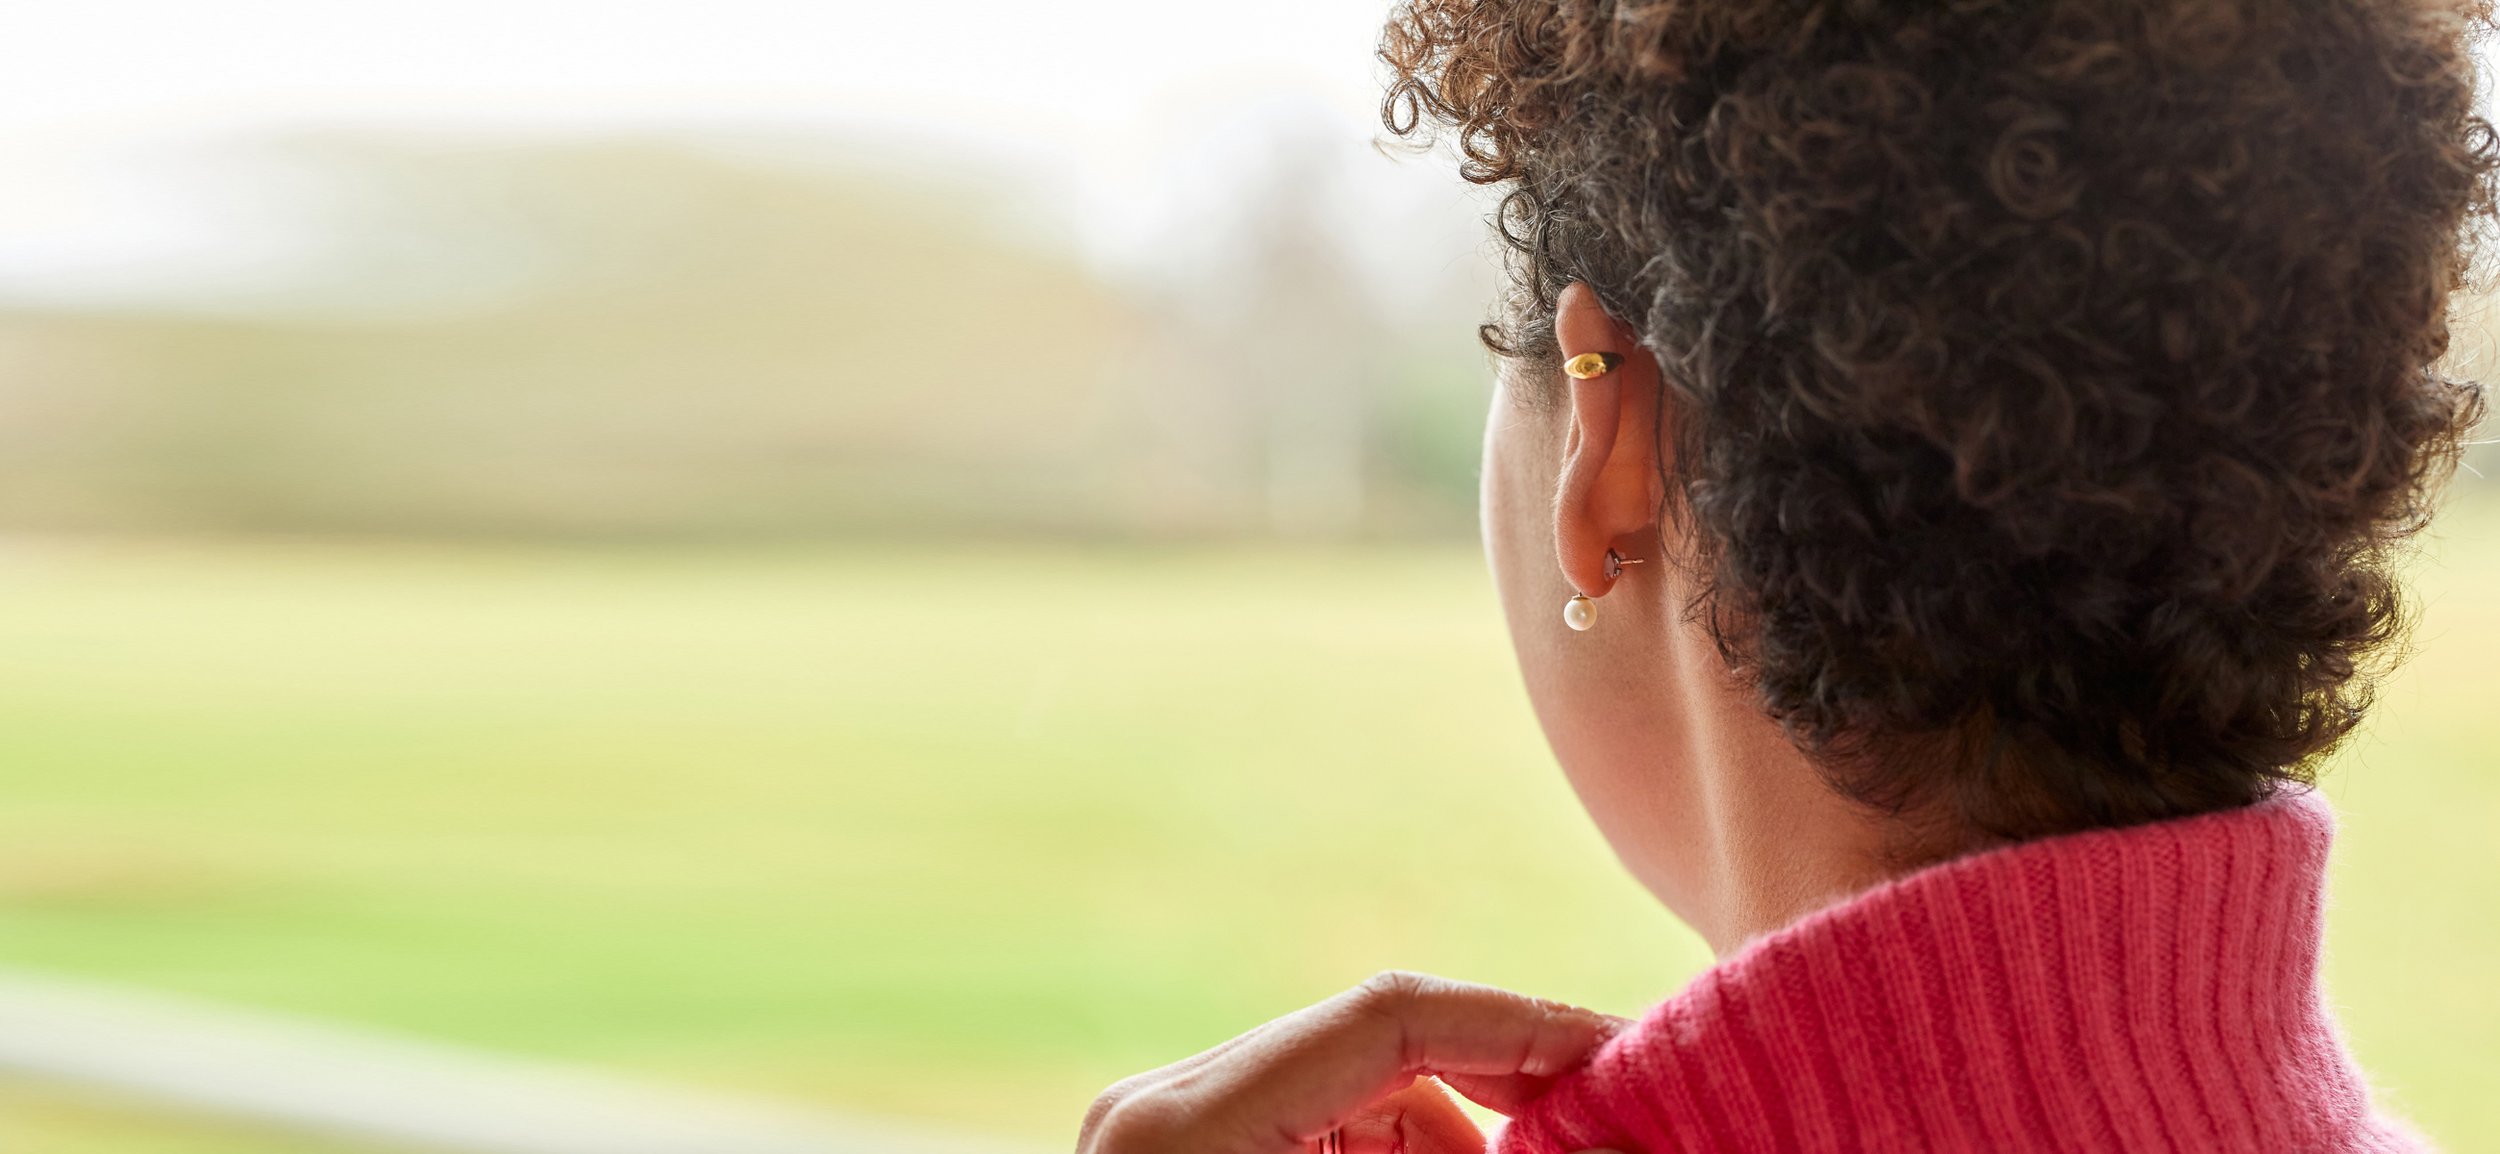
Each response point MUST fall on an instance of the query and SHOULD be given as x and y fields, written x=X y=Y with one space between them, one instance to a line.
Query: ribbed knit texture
x=2145 y=989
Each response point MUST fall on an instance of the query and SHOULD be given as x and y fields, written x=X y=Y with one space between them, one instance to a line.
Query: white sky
x=1001 y=62
x=107 y=107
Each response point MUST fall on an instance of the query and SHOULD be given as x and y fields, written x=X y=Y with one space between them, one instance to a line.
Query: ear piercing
x=1590 y=366
x=1580 y=613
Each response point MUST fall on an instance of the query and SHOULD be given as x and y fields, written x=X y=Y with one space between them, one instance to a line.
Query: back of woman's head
x=2049 y=380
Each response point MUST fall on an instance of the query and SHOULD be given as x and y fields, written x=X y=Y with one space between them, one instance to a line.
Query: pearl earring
x=1580 y=613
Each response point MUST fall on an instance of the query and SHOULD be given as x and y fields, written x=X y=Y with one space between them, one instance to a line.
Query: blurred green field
x=958 y=834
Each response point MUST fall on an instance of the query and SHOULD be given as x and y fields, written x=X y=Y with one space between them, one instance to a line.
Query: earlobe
x=1609 y=489
x=1580 y=613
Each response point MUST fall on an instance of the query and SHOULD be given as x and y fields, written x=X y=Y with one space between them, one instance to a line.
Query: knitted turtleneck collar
x=2145 y=989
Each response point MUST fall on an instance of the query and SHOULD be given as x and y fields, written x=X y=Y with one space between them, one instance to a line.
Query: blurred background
x=857 y=565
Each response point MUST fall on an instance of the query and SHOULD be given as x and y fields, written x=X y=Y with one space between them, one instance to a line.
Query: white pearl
x=1580 y=613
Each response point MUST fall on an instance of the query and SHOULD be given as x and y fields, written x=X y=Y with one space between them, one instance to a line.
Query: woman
x=1942 y=487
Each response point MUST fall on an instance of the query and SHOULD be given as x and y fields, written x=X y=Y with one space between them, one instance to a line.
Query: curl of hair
x=2051 y=380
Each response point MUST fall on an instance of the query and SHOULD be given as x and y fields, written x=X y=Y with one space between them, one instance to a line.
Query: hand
x=1353 y=1063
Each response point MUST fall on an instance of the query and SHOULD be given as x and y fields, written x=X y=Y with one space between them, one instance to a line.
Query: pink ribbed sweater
x=2144 y=989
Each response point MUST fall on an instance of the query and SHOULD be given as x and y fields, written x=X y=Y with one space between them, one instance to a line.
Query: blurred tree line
x=644 y=339
x=647 y=339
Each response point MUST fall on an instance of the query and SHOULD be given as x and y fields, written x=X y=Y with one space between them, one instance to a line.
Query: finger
x=1508 y=1094
x=1322 y=1064
x=1505 y=1094
x=1421 y=1119
x=1153 y=1080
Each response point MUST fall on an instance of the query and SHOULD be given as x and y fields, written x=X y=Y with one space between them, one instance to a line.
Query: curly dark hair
x=2051 y=381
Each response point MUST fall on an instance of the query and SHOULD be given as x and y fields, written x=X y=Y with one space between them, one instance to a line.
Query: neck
x=1766 y=835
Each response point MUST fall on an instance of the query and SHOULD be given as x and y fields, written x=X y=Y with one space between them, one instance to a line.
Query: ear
x=1610 y=489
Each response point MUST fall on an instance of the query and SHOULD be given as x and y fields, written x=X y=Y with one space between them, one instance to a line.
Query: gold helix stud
x=1590 y=366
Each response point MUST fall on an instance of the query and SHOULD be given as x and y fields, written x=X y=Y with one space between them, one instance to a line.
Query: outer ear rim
x=1607 y=490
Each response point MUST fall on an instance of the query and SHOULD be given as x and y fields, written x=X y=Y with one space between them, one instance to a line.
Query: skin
x=1701 y=796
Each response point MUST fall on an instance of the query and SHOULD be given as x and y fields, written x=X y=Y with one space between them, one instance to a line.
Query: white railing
x=363 y=1084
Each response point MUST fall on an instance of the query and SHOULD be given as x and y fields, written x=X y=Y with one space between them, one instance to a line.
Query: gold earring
x=1590 y=366
x=1615 y=563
